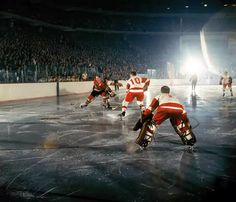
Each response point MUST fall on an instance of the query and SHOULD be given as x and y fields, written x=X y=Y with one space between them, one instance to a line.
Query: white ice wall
x=67 y=88
x=10 y=92
x=26 y=91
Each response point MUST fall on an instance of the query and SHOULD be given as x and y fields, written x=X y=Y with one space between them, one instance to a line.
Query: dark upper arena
x=69 y=38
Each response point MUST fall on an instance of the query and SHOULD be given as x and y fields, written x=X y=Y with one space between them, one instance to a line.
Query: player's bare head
x=133 y=73
x=98 y=78
x=165 y=89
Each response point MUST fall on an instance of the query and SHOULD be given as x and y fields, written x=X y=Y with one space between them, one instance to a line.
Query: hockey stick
x=198 y=123
x=116 y=107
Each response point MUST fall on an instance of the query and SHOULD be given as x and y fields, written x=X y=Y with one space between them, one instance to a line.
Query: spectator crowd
x=36 y=54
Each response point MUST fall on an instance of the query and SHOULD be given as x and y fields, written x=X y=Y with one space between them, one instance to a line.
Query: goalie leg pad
x=146 y=134
x=184 y=131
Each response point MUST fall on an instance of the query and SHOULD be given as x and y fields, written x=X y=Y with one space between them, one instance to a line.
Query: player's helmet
x=165 y=89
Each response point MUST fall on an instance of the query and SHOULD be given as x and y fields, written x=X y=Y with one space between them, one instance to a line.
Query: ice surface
x=51 y=151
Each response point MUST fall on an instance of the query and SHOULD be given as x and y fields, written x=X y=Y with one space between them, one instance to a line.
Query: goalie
x=165 y=106
x=100 y=87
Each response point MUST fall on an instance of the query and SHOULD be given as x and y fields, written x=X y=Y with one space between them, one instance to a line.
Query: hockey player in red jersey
x=165 y=106
x=226 y=81
x=135 y=88
x=100 y=87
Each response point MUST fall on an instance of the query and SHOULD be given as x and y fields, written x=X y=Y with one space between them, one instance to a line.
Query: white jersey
x=167 y=98
x=136 y=83
x=166 y=101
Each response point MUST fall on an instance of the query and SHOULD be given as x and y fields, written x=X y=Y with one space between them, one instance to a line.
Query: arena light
x=210 y=67
x=192 y=66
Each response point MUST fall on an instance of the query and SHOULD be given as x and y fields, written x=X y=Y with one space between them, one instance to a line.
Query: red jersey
x=99 y=85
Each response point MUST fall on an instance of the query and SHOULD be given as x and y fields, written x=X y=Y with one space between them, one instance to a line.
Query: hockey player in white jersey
x=226 y=80
x=135 y=88
x=164 y=106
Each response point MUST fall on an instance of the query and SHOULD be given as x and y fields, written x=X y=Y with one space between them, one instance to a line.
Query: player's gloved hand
x=146 y=115
x=112 y=94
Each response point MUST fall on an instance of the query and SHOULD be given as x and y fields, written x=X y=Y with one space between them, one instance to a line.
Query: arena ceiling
x=144 y=6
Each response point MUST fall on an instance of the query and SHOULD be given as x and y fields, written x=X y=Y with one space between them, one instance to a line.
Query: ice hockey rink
x=50 y=151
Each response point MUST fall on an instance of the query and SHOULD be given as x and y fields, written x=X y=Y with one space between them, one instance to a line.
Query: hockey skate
x=107 y=106
x=121 y=115
x=146 y=134
x=83 y=105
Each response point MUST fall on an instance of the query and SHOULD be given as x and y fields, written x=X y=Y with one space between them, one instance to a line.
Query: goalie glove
x=146 y=116
x=142 y=120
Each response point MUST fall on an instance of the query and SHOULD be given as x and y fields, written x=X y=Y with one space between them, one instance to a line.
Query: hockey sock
x=88 y=101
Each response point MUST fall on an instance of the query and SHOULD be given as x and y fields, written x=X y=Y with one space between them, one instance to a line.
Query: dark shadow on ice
x=194 y=101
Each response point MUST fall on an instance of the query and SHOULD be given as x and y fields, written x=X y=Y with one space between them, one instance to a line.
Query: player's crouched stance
x=166 y=107
x=100 y=87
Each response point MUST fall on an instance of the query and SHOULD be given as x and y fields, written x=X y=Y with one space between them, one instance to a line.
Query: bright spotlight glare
x=192 y=66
